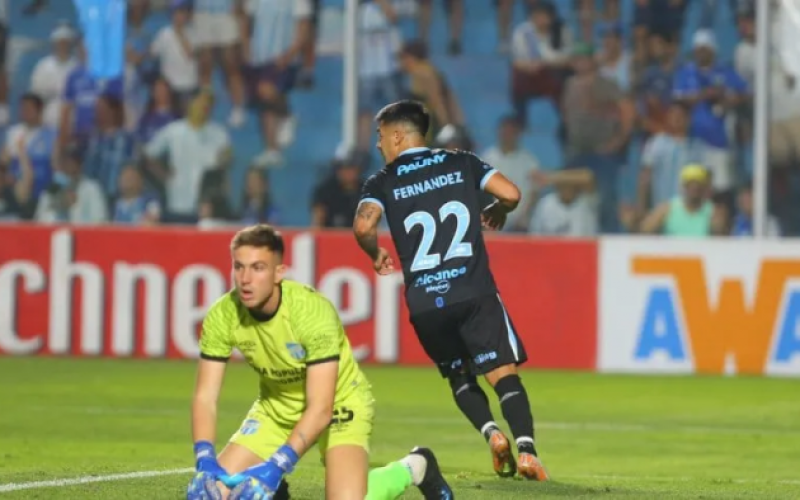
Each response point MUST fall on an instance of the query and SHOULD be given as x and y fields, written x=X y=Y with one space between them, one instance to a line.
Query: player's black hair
x=410 y=112
x=259 y=236
x=417 y=49
x=510 y=119
x=34 y=99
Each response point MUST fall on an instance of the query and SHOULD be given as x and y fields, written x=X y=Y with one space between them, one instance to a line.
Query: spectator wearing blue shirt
x=161 y=110
x=33 y=139
x=133 y=205
x=110 y=146
x=743 y=225
x=258 y=206
x=653 y=84
x=712 y=90
x=80 y=98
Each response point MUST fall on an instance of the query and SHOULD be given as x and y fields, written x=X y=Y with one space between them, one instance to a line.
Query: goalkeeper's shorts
x=351 y=425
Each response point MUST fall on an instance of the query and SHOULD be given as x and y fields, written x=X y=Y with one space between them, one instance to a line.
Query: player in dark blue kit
x=432 y=203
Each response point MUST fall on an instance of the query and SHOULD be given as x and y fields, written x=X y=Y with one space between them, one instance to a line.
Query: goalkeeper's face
x=257 y=271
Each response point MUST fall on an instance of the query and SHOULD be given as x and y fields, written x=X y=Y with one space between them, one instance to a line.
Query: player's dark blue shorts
x=476 y=336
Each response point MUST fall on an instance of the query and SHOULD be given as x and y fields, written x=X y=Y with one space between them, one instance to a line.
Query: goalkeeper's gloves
x=270 y=473
x=206 y=460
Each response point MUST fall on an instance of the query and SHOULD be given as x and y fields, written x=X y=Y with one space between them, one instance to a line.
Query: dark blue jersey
x=432 y=202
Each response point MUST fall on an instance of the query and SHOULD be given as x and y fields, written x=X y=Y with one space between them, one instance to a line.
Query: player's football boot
x=530 y=467
x=433 y=485
x=503 y=459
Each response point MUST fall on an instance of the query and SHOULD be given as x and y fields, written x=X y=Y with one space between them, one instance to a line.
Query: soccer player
x=432 y=202
x=311 y=388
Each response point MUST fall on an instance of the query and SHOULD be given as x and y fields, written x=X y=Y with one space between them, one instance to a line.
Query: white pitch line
x=61 y=483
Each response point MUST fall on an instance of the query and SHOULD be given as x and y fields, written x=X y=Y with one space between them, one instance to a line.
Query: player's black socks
x=471 y=400
x=517 y=411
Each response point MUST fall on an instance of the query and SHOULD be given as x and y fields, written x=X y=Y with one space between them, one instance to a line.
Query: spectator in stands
x=711 y=89
x=258 y=206
x=691 y=213
x=505 y=13
x=519 y=165
x=72 y=198
x=658 y=16
x=133 y=205
x=281 y=30
x=161 y=110
x=540 y=58
x=335 y=199
x=50 y=74
x=191 y=147
x=615 y=62
x=215 y=210
x=599 y=122
x=217 y=30
x=34 y=140
x=174 y=47
x=5 y=115
x=455 y=22
x=110 y=147
x=743 y=225
x=610 y=20
x=570 y=210
x=80 y=99
x=429 y=86
x=653 y=84
x=140 y=68
x=16 y=191
x=378 y=46
x=664 y=157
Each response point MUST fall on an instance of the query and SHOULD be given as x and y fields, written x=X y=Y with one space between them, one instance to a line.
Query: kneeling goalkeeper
x=311 y=390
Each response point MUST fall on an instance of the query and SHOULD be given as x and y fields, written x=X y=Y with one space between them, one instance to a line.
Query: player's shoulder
x=225 y=309
x=306 y=305
x=299 y=296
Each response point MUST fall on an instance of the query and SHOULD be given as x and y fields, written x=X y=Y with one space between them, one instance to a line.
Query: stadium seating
x=479 y=78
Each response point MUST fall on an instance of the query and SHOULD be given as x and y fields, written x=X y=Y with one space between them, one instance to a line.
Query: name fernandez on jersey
x=423 y=187
x=432 y=203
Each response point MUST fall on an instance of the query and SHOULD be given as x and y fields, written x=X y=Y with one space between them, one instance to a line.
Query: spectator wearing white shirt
x=218 y=32
x=50 y=73
x=72 y=198
x=281 y=29
x=518 y=165
x=174 y=47
x=540 y=50
x=191 y=147
x=571 y=210
x=378 y=46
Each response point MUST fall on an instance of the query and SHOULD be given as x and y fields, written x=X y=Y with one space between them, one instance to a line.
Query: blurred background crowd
x=613 y=116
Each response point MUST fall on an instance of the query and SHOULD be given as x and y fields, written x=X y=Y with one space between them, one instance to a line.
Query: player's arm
x=321 y=378
x=506 y=192
x=215 y=349
x=365 y=225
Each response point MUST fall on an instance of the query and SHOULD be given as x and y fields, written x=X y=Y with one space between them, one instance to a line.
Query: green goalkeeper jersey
x=305 y=330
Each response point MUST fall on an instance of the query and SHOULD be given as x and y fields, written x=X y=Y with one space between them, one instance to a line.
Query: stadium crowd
x=143 y=149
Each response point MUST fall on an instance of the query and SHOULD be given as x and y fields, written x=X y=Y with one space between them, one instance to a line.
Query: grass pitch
x=603 y=437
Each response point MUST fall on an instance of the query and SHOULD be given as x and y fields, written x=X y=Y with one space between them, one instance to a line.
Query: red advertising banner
x=135 y=292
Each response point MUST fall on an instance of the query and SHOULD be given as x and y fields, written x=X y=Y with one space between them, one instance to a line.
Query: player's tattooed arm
x=365 y=227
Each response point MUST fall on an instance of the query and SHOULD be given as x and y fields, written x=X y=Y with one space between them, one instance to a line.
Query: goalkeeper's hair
x=259 y=236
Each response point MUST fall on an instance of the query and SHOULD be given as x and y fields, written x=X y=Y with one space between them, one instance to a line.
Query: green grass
x=600 y=436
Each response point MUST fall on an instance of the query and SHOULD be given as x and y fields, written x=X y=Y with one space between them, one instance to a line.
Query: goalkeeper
x=311 y=390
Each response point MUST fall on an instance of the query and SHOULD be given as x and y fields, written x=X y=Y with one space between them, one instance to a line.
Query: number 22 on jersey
x=423 y=259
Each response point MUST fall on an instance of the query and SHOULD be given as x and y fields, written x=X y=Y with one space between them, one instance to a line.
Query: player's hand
x=270 y=473
x=206 y=460
x=494 y=216
x=383 y=264
x=203 y=487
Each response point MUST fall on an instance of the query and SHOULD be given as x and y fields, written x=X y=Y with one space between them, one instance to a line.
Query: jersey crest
x=296 y=351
